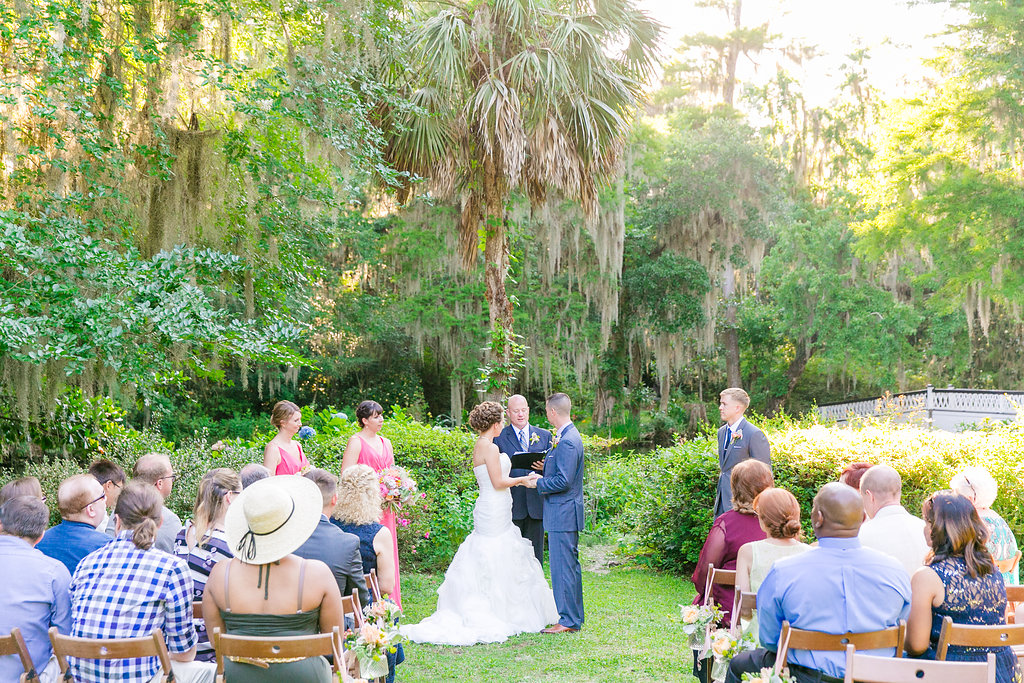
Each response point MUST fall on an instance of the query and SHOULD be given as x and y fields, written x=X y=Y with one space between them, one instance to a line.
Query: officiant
x=517 y=437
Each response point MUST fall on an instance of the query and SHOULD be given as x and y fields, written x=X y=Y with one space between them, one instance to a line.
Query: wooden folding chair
x=350 y=605
x=260 y=651
x=1014 y=598
x=743 y=607
x=798 y=639
x=14 y=644
x=868 y=669
x=373 y=585
x=1009 y=564
x=722 y=577
x=996 y=635
x=111 y=648
x=197 y=610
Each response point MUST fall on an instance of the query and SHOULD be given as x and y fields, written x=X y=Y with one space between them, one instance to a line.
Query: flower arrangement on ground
x=696 y=619
x=767 y=676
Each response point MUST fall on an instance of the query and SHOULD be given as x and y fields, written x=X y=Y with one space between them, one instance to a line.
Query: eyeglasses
x=172 y=475
x=95 y=500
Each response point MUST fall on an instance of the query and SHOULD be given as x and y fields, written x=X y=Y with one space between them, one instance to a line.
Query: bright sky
x=899 y=37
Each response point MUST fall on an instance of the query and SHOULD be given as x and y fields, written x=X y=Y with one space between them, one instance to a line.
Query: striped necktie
x=522 y=440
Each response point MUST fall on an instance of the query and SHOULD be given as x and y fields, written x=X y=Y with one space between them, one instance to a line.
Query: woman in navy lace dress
x=959 y=580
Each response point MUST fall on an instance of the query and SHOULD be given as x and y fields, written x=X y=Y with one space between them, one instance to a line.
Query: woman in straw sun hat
x=267 y=591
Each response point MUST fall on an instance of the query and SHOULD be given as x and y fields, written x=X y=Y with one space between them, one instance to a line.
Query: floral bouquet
x=371 y=644
x=767 y=676
x=725 y=646
x=397 y=487
x=696 y=619
x=383 y=614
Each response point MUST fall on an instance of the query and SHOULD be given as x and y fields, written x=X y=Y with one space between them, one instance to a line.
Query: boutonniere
x=534 y=438
x=737 y=437
x=554 y=442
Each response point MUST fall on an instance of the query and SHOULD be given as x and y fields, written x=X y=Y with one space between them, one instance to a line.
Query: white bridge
x=952 y=410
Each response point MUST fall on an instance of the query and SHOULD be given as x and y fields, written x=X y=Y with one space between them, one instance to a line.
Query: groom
x=738 y=440
x=561 y=489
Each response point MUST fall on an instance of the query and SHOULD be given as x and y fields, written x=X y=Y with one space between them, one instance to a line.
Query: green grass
x=629 y=635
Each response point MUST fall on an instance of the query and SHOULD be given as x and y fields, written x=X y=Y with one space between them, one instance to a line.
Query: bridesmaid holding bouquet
x=367 y=447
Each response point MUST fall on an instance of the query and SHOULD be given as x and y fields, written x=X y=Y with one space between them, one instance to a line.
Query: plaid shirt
x=120 y=591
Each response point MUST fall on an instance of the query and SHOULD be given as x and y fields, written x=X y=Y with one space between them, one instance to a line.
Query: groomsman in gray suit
x=738 y=440
x=561 y=489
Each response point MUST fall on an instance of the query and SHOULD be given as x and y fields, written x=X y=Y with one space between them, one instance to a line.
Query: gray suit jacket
x=561 y=487
x=752 y=443
x=168 y=531
x=339 y=551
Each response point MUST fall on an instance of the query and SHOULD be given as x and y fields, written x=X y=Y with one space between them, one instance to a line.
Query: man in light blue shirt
x=838 y=587
x=34 y=593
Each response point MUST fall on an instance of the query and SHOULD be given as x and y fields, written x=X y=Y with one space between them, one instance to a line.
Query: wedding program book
x=524 y=460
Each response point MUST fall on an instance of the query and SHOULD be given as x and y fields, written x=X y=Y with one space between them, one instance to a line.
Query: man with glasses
x=112 y=478
x=155 y=469
x=82 y=504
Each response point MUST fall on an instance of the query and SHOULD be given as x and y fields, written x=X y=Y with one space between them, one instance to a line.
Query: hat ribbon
x=247 y=544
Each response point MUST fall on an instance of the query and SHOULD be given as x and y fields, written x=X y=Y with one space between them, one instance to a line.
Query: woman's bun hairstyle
x=485 y=416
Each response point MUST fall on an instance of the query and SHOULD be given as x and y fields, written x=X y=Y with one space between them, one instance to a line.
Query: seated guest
x=203 y=543
x=128 y=589
x=111 y=477
x=852 y=473
x=155 y=469
x=34 y=592
x=82 y=505
x=976 y=484
x=837 y=587
x=778 y=512
x=359 y=510
x=332 y=546
x=731 y=531
x=961 y=581
x=252 y=473
x=23 y=486
x=890 y=528
x=267 y=590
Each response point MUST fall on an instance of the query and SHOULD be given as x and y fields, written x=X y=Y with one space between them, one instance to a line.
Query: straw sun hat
x=272 y=518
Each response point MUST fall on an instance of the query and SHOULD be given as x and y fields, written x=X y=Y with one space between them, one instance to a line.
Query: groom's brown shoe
x=558 y=628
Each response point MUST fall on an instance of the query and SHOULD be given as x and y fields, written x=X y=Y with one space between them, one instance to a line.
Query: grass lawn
x=628 y=636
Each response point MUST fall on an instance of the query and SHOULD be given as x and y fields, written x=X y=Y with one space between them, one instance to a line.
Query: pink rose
x=426 y=534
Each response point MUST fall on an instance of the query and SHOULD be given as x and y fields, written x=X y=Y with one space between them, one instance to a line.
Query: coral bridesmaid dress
x=379 y=461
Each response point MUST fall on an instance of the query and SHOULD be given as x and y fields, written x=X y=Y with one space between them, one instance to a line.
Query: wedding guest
x=732 y=530
x=358 y=512
x=778 y=513
x=252 y=473
x=809 y=591
x=368 y=447
x=128 y=589
x=112 y=478
x=337 y=549
x=960 y=580
x=283 y=455
x=890 y=528
x=976 y=484
x=738 y=440
x=155 y=469
x=23 y=486
x=81 y=501
x=852 y=474
x=203 y=542
x=265 y=525
x=34 y=592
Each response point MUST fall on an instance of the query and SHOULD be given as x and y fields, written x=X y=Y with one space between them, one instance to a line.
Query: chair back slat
x=197 y=610
x=798 y=639
x=278 y=647
x=373 y=584
x=14 y=644
x=869 y=669
x=350 y=605
x=152 y=645
x=996 y=635
x=722 y=577
x=743 y=607
x=1015 y=593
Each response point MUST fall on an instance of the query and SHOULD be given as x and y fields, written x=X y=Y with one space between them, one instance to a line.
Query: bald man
x=838 y=587
x=890 y=528
x=82 y=503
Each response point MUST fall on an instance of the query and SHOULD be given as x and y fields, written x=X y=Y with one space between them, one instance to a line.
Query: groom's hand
x=531 y=480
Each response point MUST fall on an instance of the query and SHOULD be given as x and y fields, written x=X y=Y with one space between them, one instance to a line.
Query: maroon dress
x=727 y=535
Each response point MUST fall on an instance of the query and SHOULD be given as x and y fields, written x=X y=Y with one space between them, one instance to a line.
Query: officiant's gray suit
x=732 y=450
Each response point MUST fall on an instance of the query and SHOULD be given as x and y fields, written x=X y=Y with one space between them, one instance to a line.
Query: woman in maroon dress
x=728 y=534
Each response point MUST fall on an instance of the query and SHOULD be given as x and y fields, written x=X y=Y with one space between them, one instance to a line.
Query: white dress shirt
x=897 y=533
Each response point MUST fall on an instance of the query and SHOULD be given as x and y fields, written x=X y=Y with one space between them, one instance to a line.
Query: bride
x=495 y=587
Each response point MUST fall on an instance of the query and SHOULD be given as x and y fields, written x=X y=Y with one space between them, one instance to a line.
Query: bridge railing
x=947 y=409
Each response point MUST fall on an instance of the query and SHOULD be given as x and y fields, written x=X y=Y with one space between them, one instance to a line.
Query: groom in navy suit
x=561 y=489
x=518 y=436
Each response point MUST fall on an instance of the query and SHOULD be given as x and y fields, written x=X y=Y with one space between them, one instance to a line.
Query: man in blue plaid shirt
x=128 y=589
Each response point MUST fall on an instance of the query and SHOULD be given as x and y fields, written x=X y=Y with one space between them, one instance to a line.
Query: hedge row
x=661 y=501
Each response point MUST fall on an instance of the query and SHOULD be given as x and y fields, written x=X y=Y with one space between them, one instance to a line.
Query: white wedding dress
x=495 y=587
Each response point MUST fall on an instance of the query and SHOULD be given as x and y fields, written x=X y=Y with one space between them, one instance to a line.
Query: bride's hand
x=530 y=480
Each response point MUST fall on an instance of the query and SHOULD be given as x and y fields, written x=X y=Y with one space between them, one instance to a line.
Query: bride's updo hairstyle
x=779 y=512
x=485 y=416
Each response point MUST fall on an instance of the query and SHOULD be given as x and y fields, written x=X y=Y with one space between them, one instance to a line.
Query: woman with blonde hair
x=359 y=513
x=495 y=587
x=980 y=487
x=283 y=455
x=203 y=542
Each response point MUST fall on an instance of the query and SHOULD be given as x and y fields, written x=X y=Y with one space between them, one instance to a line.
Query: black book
x=523 y=460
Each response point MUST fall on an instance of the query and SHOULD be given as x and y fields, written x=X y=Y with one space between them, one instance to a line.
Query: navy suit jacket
x=339 y=550
x=561 y=487
x=525 y=502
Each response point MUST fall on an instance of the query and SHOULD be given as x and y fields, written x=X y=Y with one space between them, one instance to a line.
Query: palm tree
x=531 y=96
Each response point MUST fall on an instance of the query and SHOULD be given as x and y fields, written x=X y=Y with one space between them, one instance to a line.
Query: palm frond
x=443 y=48
x=498 y=114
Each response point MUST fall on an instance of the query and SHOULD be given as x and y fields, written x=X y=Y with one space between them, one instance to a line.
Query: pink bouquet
x=397 y=487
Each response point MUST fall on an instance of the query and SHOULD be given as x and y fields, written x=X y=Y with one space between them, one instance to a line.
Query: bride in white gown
x=495 y=587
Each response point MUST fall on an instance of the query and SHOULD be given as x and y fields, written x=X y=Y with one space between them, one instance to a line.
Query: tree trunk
x=804 y=351
x=733 y=57
x=730 y=339
x=500 y=357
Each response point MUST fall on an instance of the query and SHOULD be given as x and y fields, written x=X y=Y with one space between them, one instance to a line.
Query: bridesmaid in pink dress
x=283 y=455
x=367 y=447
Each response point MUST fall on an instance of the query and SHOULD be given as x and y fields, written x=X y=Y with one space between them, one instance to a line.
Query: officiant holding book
x=519 y=436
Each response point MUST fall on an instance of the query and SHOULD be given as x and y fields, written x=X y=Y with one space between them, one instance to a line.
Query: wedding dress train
x=495 y=587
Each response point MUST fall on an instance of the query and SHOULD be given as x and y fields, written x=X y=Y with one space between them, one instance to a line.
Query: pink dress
x=288 y=464
x=378 y=461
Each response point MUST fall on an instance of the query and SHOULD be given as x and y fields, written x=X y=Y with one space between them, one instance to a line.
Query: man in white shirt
x=890 y=528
